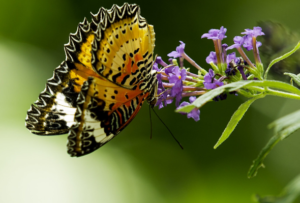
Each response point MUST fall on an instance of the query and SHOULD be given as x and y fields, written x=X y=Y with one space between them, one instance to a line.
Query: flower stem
x=188 y=94
x=192 y=62
x=240 y=50
x=282 y=94
x=218 y=52
x=193 y=75
x=185 y=88
x=191 y=79
x=255 y=50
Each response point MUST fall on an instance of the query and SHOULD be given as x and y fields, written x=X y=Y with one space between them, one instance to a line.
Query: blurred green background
x=132 y=168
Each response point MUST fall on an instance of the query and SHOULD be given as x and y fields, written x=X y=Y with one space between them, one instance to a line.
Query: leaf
x=283 y=127
x=285 y=121
x=200 y=101
x=296 y=78
x=236 y=117
x=281 y=58
x=288 y=195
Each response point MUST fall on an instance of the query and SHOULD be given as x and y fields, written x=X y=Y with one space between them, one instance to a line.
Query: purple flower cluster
x=176 y=82
x=247 y=39
x=230 y=64
x=175 y=76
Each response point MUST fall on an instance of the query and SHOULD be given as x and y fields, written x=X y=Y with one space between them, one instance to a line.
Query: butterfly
x=101 y=85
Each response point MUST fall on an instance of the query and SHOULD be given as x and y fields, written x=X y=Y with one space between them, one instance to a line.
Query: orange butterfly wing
x=103 y=110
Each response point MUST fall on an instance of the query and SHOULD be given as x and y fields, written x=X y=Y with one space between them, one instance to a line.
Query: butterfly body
x=100 y=87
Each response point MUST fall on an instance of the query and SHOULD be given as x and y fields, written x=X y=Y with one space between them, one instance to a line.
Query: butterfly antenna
x=150 y=122
x=168 y=129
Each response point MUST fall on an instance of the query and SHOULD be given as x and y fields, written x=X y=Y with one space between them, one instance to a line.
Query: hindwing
x=103 y=110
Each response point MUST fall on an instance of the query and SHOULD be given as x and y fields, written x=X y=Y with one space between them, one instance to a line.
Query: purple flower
x=177 y=74
x=195 y=113
x=176 y=91
x=155 y=67
x=238 y=42
x=224 y=46
x=248 y=43
x=215 y=34
x=212 y=57
x=179 y=51
x=257 y=31
x=210 y=82
x=162 y=100
x=160 y=61
x=169 y=70
x=163 y=94
x=231 y=57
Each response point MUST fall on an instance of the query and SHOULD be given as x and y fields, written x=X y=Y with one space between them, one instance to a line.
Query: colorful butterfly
x=100 y=87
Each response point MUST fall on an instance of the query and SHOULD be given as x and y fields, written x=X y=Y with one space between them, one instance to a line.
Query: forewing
x=94 y=51
x=123 y=46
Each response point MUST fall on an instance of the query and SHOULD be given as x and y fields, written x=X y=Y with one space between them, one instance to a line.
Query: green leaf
x=236 y=117
x=283 y=122
x=200 y=101
x=281 y=58
x=296 y=78
x=283 y=127
x=288 y=195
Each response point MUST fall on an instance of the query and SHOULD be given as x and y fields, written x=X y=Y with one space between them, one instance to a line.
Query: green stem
x=282 y=94
x=269 y=91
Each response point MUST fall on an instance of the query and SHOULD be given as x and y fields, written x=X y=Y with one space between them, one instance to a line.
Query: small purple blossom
x=162 y=100
x=155 y=67
x=224 y=46
x=210 y=82
x=257 y=31
x=160 y=61
x=215 y=34
x=177 y=74
x=238 y=42
x=179 y=51
x=230 y=66
x=231 y=57
x=195 y=113
x=248 y=44
x=212 y=57
x=176 y=91
x=163 y=94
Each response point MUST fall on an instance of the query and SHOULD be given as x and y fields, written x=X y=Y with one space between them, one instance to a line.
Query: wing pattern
x=97 y=120
x=101 y=85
